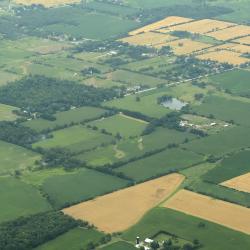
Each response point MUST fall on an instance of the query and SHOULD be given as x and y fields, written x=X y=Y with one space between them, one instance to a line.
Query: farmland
x=122 y=119
x=131 y=203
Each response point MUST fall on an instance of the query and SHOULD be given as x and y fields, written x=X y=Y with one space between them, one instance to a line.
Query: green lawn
x=66 y=117
x=81 y=185
x=120 y=245
x=124 y=125
x=76 y=139
x=171 y=160
x=19 y=199
x=14 y=157
x=212 y=236
x=6 y=113
x=75 y=239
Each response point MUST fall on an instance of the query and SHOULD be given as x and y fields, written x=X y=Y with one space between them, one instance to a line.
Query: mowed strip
x=118 y=211
x=46 y=3
x=205 y=207
x=240 y=183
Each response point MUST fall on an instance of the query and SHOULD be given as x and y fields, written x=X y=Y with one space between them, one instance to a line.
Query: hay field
x=224 y=56
x=231 y=33
x=148 y=39
x=185 y=46
x=243 y=40
x=227 y=214
x=201 y=26
x=46 y=3
x=118 y=211
x=240 y=183
x=166 y=22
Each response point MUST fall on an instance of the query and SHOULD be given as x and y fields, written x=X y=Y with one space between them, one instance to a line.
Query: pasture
x=120 y=210
x=46 y=3
x=6 y=113
x=126 y=126
x=76 y=139
x=75 y=115
x=75 y=239
x=224 y=213
x=19 y=199
x=167 y=161
x=81 y=185
x=189 y=228
x=13 y=157
x=120 y=245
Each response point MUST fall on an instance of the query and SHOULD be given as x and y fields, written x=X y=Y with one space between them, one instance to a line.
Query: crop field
x=76 y=138
x=241 y=48
x=78 y=186
x=224 y=213
x=170 y=160
x=243 y=40
x=224 y=56
x=6 y=77
x=168 y=21
x=236 y=81
x=75 y=239
x=230 y=167
x=118 y=211
x=19 y=199
x=13 y=157
x=240 y=183
x=126 y=126
x=46 y=3
x=222 y=143
x=225 y=109
x=172 y=222
x=121 y=245
x=6 y=113
x=104 y=82
x=75 y=115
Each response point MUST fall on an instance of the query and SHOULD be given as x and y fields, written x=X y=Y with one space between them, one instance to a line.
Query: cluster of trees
x=164 y=98
x=28 y=232
x=48 y=95
x=15 y=133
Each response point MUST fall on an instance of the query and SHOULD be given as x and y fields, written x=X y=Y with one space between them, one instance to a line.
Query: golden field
x=120 y=210
x=205 y=207
x=240 y=183
x=243 y=40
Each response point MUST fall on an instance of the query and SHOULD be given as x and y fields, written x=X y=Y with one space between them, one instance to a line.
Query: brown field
x=168 y=21
x=148 y=39
x=205 y=207
x=240 y=183
x=120 y=210
x=46 y=3
x=201 y=26
x=243 y=40
x=185 y=46
x=224 y=56
x=235 y=47
x=231 y=33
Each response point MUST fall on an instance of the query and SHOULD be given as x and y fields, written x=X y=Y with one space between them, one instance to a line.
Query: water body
x=174 y=104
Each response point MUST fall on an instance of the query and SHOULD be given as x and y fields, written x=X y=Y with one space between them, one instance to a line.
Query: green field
x=81 y=185
x=75 y=139
x=124 y=125
x=236 y=81
x=120 y=245
x=225 y=109
x=14 y=157
x=171 y=160
x=19 y=199
x=232 y=166
x=126 y=149
x=212 y=236
x=6 y=113
x=75 y=239
x=222 y=143
x=66 y=118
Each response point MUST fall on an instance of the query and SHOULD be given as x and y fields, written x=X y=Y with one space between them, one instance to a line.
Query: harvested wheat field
x=46 y=3
x=185 y=46
x=148 y=39
x=205 y=207
x=201 y=26
x=240 y=183
x=243 y=40
x=231 y=33
x=168 y=21
x=224 y=56
x=120 y=210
